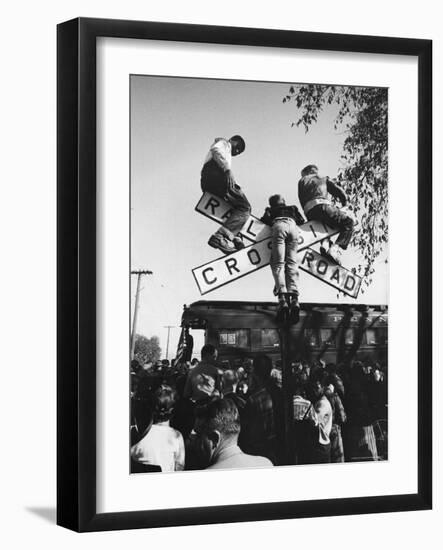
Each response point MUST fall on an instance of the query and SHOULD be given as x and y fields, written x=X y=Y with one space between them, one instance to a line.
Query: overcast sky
x=173 y=123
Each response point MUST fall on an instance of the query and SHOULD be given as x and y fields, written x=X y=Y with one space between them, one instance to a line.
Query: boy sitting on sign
x=313 y=193
x=284 y=220
x=217 y=178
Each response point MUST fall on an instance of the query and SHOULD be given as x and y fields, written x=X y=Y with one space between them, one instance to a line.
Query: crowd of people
x=196 y=415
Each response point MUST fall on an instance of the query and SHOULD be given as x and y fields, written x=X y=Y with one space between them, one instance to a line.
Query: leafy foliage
x=362 y=113
x=146 y=349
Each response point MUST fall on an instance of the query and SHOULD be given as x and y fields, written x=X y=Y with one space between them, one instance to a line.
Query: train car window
x=327 y=336
x=349 y=336
x=383 y=336
x=270 y=338
x=371 y=336
x=310 y=337
x=238 y=338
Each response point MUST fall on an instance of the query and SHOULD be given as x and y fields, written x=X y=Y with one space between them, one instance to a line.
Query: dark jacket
x=313 y=187
x=282 y=211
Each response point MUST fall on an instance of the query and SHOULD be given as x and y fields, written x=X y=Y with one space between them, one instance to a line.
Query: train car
x=333 y=333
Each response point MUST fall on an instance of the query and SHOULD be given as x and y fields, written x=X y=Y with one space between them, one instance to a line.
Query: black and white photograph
x=259 y=269
x=221 y=290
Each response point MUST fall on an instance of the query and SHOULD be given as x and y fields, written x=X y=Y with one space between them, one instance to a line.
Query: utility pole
x=139 y=274
x=167 y=341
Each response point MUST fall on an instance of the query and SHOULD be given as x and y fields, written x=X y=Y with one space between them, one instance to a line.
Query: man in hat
x=217 y=178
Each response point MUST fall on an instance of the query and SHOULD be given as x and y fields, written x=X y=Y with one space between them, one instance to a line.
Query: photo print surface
x=259 y=274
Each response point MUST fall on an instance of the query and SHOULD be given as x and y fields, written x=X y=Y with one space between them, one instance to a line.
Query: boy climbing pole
x=284 y=220
x=313 y=193
x=217 y=178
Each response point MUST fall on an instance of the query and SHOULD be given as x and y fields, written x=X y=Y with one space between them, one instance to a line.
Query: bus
x=337 y=333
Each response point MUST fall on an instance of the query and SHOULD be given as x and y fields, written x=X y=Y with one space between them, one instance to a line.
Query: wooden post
x=167 y=341
x=134 y=321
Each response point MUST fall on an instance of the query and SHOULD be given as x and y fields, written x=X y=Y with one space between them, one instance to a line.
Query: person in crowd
x=307 y=369
x=276 y=378
x=303 y=378
x=305 y=426
x=334 y=378
x=247 y=366
x=284 y=221
x=160 y=444
x=182 y=418
x=242 y=388
x=142 y=417
x=321 y=451
x=259 y=435
x=217 y=178
x=275 y=389
x=313 y=193
x=318 y=371
x=229 y=390
x=377 y=394
x=204 y=379
x=361 y=445
x=241 y=373
x=338 y=419
x=217 y=427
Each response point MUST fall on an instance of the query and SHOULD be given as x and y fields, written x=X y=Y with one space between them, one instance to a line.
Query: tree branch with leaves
x=362 y=114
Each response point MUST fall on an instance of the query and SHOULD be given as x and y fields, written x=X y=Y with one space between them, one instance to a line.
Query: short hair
x=263 y=366
x=299 y=390
x=142 y=412
x=312 y=390
x=240 y=141
x=208 y=349
x=164 y=399
x=309 y=169
x=221 y=415
x=275 y=199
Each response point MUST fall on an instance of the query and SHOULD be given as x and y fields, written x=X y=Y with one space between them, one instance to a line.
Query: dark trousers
x=213 y=180
x=333 y=216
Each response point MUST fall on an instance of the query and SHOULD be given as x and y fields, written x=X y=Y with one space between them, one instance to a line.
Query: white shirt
x=221 y=153
x=162 y=446
x=323 y=411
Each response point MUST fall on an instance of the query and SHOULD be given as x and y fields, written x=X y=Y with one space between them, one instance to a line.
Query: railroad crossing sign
x=227 y=269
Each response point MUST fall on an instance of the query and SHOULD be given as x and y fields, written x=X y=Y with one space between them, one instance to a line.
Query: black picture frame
x=76 y=293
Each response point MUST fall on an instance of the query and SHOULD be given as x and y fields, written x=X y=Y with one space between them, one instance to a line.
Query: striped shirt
x=303 y=409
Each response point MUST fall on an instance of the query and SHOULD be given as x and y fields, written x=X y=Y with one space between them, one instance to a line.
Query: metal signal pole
x=285 y=339
x=139 y=273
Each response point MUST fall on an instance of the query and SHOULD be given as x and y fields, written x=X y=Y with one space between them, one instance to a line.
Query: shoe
x=238 y=243
x=222 y=243
x=294 y=311
x=282 y=313
x=334 y=253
